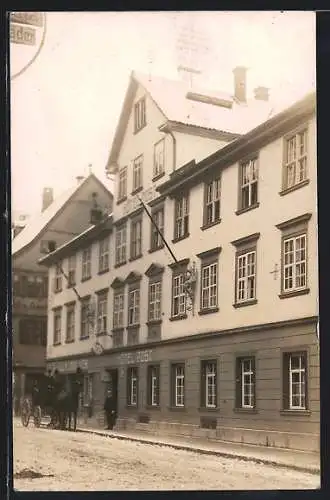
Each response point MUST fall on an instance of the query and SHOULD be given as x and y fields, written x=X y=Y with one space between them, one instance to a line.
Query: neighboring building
x=58 y=221
x=232 y=354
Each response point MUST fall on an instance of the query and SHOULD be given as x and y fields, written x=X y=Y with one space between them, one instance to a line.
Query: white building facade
x=231 y=353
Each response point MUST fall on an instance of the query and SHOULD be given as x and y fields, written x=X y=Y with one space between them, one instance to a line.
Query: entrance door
x=113 y=384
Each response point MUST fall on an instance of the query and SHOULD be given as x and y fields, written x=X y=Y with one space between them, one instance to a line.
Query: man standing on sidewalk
x=110 y=410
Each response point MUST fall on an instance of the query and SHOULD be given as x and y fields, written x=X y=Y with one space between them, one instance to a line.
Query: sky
x=66 y=105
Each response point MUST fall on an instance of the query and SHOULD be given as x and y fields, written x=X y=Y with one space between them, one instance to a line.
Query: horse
x=66 y=404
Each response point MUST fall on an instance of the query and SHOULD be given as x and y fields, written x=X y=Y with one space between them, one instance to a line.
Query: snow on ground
x=87 y=462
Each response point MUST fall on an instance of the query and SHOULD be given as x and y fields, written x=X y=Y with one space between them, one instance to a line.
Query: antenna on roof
x=90 y=168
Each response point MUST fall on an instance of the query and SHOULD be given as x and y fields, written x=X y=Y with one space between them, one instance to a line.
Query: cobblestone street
x=51 y=460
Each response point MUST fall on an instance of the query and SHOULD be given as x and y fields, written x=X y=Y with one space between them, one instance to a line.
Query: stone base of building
x=258 y=437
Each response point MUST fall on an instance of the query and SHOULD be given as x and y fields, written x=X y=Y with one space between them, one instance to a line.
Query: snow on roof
x=171 y=97
x=40 y=220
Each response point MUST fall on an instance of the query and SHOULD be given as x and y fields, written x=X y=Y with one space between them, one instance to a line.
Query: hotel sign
x=27 y=33
x=134 y=202
x=131 y=358
x=29 y=306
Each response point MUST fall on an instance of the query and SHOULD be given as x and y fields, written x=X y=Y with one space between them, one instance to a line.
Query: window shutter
x=158 y=384
x=238 y=384
x=128 y=386
x=203 y=384
x=285 y=379
x=253 y=364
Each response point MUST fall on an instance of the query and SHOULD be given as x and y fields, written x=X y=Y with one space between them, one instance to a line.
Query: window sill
x=246 y=410
x=211 y=224
x=153 y=322
x=294 y=188
x=247 y=209
x=133 y=327
x=131 y=259
x=137 y=130
x=119 y=329
x=137 y=190
x=69 y=341
x=103 y=271
x=155 y=249
x=158 y=176
x=86 y=278
x=131 y=407
x=237 y=305
x=120 y=264
x=294 y=293
x=208 y=311
x=177 y=408
x=84 y=338
x=121 y=200
x=58 y=290
x=177 y=318
x=205 y=408
x=180 y=238
x=303 y=413
x=101 y=334
x=153 y=407
x=55 y=344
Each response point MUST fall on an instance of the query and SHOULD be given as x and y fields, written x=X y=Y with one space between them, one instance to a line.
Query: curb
x=203 y=451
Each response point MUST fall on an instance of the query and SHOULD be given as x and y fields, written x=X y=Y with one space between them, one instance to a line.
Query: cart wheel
x=25 y=413
x=37 y=416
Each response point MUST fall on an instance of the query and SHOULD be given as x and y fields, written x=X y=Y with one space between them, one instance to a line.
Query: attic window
x=140 y=114
x=216 y=101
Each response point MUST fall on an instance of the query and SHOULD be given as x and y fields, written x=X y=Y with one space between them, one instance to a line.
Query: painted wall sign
x=129 y=358
x=27 y=35
x=70 y=365
x=134 y=203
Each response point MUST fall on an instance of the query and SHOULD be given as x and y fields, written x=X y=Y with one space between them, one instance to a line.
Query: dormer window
x=140 y=114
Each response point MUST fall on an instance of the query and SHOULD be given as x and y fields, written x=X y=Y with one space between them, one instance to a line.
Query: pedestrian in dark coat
x=110 y=410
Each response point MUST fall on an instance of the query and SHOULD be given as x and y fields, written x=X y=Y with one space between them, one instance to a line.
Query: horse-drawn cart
x=29 y=410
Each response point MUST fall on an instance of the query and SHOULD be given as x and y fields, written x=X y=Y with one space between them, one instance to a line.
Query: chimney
x=261 y=94
x=47 y=198
x=240 y=83
x=79 y=178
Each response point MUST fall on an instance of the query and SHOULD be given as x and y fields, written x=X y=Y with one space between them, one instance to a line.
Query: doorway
x=113 y=384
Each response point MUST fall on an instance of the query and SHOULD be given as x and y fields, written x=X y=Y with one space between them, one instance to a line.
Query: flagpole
x=157 y=228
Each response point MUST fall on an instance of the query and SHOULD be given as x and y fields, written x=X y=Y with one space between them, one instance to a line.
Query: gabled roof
x=171 y=98
x=39 y=223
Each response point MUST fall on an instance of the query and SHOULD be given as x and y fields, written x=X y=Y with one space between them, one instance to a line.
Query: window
x=136 y=238
x=133 y=307
x=181 y=223
x=246 y=270
x=249 y=184
x=212 y=202
x=140 y=114
x=153 y=385
x=156 y=240
x=86 y=263
x=72 y=271
x=295 y=159
x=209 y=384
x=122 y=184
x=70 y=323
x=246 y=277
x=178 y=296
x=58 y=278
x=245 y=382
x=104 y=255
x=209 y=286
x=30 y=285
x=178 y=390
x=33 y=331
x=137 y=173
x=118 y=309
x=155 y=293
x=87 y=394
x=294 y=381
x=84 y=318
x=132 y=386
x=120 y=245
x=102 y=313
x=159 y=163
x=294 y=270
x=57 y=326
x=294 y=267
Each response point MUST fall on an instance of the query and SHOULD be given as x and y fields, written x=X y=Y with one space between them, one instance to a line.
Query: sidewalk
x=278 y=457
